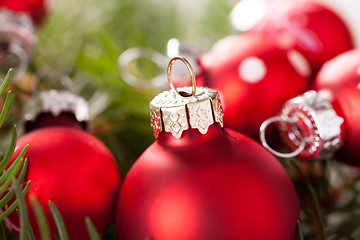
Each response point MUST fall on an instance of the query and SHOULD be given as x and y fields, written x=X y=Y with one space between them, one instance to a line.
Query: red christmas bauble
x=221 y=185
x=36 y=8
x=199 y=181
x=341 y=71
x=303 y=26
x=254 y=77
x=346 y=103
x=76 y=172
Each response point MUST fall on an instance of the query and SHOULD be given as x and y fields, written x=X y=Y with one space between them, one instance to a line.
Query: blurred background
x=84 y=39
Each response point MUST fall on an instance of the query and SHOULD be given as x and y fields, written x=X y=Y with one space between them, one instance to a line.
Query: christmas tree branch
x=92 y=230
x=321 y=230
x=59 y=222
x=13 y=206
x=40 y=219
x=11 y=193
x=299 y=228
x=7 y=106
x=24 y=223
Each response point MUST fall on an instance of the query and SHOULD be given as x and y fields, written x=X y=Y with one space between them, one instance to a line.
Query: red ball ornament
x=200 y=181
x=254 y=77
x=303 y=26
x=69 y=167
x=320 y=125
x=37 y=9
x=341 y=71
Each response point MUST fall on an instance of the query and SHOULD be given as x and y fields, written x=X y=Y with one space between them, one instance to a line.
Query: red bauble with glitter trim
x=254 y=77
x=75 y=171
x=36 y=8
x=310 y=27
x=339 y=72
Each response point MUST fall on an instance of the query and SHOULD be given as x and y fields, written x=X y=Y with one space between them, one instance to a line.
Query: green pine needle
x=22 y=208
x=7 y=106
x=40 y=219
x=4 y=162
x=299 y=228
x=11 y=193
x=5 y=82
x=59 y=222
x=30 y=232
x=6 y=178
x=94 y=235
x=12 y=207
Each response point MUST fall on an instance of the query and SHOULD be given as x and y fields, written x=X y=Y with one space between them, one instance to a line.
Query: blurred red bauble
x=309 y=27
x=199 y=181
x=341 y=71
x=67 y=166
x=254 y=77
x=36 y=8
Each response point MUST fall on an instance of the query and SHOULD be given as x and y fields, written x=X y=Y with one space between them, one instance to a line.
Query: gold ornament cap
x=179 y=109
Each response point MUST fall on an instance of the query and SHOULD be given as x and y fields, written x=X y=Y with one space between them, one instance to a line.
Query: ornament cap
x=310 y=123
x=179 y=109
x=57 y=102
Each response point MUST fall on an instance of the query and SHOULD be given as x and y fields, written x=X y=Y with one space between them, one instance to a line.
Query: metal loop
x=191 y=71
x=132 y=54
x=269 y=121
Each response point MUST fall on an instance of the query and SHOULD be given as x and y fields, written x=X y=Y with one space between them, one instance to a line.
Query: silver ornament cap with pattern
x=179 y=109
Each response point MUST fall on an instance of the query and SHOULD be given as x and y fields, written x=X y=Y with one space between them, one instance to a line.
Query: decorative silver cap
x=190 y=107
x=56 y=102
x=318 y=122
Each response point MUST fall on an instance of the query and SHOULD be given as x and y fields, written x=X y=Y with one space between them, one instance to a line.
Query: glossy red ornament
x=67 y=165
x=341 y=71
x=254 y=77
x=212 y=184
x=36 y=8
x=304 y=26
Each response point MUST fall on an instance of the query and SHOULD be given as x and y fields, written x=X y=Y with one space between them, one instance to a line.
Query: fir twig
x=4 y=162
x=5 y=82
x=12 y=207
x=22 y=210
x=314 y=198
x=94 y=235
x=40 y=219
x=6 y=178
x=299 y=228
x=59 y=222
x=11 y=193
x=7 y=106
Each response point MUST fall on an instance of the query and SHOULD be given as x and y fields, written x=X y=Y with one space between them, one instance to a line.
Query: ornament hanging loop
x=191 y=71
x=269 y=121
x=136 y=53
